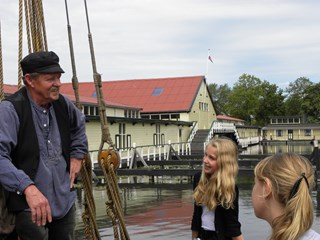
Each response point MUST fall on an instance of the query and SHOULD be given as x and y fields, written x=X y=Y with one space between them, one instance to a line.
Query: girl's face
x=258 y=199
x=210 y=160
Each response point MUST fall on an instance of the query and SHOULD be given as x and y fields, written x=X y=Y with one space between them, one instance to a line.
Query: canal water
x=163 y=210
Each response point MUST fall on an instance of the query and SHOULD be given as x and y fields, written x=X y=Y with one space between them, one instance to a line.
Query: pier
x=176 y=165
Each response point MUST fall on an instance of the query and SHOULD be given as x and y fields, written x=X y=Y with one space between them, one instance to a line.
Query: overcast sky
x=275 y=40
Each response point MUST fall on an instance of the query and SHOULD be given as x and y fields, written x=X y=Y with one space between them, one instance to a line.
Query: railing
x=193 y=131
x=147 y=152
x=221 y=127
x=245 y=142
x=211 y=131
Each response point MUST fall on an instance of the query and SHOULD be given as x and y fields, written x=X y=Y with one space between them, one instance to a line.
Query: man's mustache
x=54 y=89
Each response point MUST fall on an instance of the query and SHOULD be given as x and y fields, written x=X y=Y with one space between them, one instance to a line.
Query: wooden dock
x=172 y=172
x=177 y=168
x=183 y=167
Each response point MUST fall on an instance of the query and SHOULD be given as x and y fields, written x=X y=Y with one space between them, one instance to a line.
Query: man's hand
x=75 y=167
x=39 y=205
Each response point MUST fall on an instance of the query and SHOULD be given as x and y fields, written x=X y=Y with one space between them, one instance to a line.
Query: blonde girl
x=281 y=196
x=216 y=208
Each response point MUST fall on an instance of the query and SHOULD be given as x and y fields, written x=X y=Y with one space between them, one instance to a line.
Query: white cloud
x=276 y=41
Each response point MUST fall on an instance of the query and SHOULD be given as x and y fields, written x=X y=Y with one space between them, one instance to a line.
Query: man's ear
x=28 y=80
x=267 y=188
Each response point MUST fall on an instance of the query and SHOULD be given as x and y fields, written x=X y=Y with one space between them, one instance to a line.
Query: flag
x=209 y=56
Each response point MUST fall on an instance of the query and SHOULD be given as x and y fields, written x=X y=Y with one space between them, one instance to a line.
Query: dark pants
x=60 y=229
x=208 y=235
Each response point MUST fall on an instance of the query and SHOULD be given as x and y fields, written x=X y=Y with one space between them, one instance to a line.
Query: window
x=175 y=116
x=92 y=111
x=86 y=110
x=165 y=116
x=121 y=137
x=128 y=141
x=203 y=106
x=279 y=133
x=307 y=132
x=157 y=91
x=156 y=136
x=163 y=139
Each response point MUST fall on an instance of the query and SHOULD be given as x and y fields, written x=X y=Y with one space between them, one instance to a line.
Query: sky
x=274 y=40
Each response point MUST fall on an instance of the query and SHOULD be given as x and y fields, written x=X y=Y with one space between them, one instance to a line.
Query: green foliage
x=311 y=103
x=254 y=100
x=293 y=103
x=220 y=95
x=243 y=98
x=270 y=103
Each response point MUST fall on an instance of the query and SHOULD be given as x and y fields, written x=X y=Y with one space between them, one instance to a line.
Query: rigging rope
x=89 y=215
x=108 y=159
x=20 y=44
x=35 y=30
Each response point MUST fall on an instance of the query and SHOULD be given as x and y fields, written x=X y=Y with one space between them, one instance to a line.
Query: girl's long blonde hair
x=292 y=179
x=219 y=188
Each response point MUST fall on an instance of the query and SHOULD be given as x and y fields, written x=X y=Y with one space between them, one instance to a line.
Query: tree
x=271 y=103
x=254 y=100
x=294 y=99
x=220 y=95
x=242 y=101
x=311 y=103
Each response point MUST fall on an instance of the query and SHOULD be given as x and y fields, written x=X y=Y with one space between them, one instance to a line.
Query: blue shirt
x=52 y=178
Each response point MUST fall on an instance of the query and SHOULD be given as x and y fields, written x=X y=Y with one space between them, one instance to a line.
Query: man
x=42 y=144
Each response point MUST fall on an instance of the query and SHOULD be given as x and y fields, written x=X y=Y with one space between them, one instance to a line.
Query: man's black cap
x=41 y=62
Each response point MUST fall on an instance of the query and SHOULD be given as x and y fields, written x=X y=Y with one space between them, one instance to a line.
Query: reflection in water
x=159 y=211
x=280 y=147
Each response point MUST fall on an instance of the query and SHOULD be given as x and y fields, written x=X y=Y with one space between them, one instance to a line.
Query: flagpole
x=207 y=62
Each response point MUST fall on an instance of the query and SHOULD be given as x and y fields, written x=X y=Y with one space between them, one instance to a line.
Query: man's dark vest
x=25 y=155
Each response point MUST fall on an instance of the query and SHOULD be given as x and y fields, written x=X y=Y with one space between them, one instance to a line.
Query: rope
x=44 y=35
x=34 y=18
x=27 y=26
x=89 y=215
x=113 y=206
x=20 y=44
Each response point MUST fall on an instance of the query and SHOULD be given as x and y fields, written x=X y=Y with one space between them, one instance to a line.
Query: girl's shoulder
x=310 y=235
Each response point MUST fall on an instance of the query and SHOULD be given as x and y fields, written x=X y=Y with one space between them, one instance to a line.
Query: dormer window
x=157 y=91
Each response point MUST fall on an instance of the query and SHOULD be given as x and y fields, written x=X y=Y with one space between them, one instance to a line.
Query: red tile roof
x=10 y=89
x=153 y=95
x=223 y=117
x=150 y=95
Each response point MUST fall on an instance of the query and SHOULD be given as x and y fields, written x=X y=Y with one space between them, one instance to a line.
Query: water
x=164 y=211
x=276 y=147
